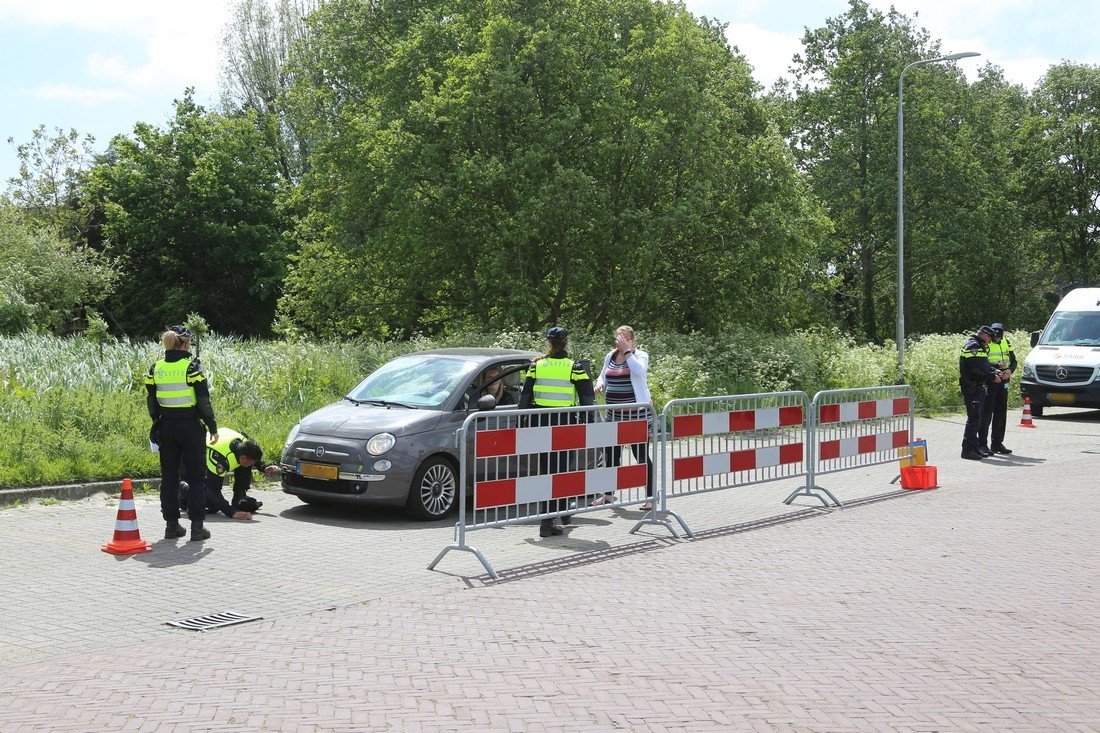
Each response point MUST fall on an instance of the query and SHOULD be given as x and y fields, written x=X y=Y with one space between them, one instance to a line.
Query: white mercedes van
x=1061 y=370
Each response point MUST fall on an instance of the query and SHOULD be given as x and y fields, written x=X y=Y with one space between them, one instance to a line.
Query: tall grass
x=73 y=413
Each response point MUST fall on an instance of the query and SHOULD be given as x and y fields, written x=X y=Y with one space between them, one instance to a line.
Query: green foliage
x=45 y=280
x=483 y=163
x=49 y=188
x=1060 y=181
x=72 y=416
x=190 y=213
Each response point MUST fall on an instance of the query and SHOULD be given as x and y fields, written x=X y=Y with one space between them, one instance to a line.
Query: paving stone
x=971 y=607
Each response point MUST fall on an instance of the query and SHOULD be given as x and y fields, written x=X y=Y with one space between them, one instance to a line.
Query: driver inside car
x=493 y=384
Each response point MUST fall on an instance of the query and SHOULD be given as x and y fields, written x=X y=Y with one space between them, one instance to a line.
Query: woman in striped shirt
x=623 y=381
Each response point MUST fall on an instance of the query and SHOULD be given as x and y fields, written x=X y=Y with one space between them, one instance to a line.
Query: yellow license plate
x=1062 y=398
x=319 y=470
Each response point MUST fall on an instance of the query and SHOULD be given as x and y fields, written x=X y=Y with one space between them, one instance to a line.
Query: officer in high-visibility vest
x=178 y=399
x=995 y=411
x=237 y=455
x=976 y=377
x=555 y=380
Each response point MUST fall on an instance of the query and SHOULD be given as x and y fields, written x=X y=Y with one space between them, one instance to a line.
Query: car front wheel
x=434 y=489
x=1036 y=410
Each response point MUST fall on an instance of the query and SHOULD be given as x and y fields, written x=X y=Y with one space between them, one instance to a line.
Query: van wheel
x=434 y=489
x=1036 y=411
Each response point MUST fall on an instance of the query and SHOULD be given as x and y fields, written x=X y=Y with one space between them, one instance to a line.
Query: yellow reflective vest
x=222 y=450
x=999 y=352
x=553 y=382
x=174 y=387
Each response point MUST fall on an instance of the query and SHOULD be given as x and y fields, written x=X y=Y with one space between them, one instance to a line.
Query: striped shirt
x=620 y=391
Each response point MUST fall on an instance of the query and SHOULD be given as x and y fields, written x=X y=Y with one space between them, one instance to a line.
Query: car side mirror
x=486 y=402
x=1035 y=338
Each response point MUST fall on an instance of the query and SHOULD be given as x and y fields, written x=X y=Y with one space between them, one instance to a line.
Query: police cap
x=183 y=331
x=556 y=332
x=987 y=331
x=998 y=327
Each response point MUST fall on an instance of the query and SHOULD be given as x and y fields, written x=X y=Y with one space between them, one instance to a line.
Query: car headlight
x=292 y=434
x=1029 y=371
x=380 y=443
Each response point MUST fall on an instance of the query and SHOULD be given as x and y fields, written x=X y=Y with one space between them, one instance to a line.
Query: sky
x=100 y=66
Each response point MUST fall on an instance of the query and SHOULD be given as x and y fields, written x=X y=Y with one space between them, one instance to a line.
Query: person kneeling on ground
x=237 y=454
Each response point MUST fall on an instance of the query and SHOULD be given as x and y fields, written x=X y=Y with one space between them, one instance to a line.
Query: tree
x=259 y=42
x=845 y=137
x=45 y=281
x=1060 y=164
x=190 y=213
x=49 y=186
x=963 y=239
x=529 y=162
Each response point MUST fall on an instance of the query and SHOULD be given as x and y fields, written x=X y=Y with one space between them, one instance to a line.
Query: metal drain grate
x=213 y=621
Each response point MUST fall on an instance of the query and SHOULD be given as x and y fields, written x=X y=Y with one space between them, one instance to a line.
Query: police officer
x=995 y=411
x=178 y=399
x=237 y=454
x=555 y=380
x=976 y=377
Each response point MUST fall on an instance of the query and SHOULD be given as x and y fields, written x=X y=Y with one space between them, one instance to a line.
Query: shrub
x=74 y=415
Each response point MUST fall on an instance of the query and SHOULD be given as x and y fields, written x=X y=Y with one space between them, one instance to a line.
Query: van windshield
x=1072 y=328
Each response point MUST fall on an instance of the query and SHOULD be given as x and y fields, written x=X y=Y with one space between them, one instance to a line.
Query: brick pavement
x=973 y=607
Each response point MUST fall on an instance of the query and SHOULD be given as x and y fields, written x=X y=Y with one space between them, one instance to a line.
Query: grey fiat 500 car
x=391 y=440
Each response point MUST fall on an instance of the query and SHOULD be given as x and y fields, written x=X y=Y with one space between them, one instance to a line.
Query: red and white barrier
x=842 y=412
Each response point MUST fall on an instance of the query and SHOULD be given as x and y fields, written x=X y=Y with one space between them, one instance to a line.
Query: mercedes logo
x=1061 y=373
x=320 y=450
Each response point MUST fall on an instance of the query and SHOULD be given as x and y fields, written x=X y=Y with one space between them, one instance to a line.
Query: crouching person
x=237 y=454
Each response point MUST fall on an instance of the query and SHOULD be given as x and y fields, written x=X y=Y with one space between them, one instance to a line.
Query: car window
x=510 y=384
x=1072 y=328
x=424 y=380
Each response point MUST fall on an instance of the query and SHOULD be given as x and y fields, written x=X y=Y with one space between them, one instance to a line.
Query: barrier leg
x=466 y=548
x=652 y=518
x=810 y=490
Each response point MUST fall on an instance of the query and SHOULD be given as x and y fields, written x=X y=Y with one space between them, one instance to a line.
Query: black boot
x=198 y=533
x=174 y=530
x=549 y=529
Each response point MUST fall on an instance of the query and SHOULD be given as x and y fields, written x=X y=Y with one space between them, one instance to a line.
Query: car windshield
x=420 y=380
x=1072 y=328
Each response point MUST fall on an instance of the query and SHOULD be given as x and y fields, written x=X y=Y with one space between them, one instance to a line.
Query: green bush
x=75 y=413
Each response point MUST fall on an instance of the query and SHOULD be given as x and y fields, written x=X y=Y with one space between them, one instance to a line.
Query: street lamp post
x=901 y=198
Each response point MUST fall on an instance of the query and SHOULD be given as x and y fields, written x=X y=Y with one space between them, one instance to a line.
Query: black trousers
x=973 y=400
x=995 y=414
x=182 y=441
x=215 y=500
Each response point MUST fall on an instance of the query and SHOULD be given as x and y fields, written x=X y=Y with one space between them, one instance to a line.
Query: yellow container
x=915 y=454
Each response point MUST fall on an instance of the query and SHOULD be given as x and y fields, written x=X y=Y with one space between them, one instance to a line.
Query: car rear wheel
x=1036 y=410
x=434 y=489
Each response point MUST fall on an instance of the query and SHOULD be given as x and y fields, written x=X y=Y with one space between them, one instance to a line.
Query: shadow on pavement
x=384 y=518
x=1013 y=460
x=603 y=554
x=1076 y=414
x=171 y=553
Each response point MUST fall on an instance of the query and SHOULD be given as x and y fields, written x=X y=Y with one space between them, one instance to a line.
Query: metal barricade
x=714 y=443
x=517 y=466
x=853 y=428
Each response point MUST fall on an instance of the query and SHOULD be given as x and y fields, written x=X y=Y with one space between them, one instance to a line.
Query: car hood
x=364 y=421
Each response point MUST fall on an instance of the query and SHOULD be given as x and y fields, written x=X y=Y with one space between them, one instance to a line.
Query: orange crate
x=918 y=477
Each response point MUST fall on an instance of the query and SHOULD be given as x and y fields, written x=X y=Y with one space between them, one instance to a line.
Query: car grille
x=1069 y=374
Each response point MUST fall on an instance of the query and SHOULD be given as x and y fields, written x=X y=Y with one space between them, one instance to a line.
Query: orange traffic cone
x=127 y=539
x=1025 y=421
